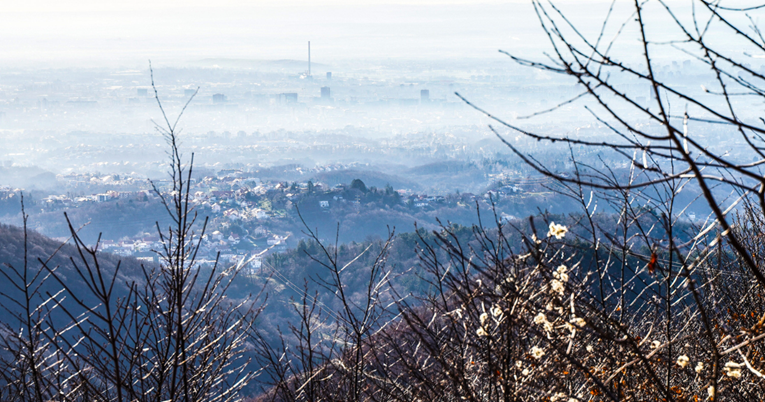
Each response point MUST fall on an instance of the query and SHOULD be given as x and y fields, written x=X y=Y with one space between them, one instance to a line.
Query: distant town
x=247 y=215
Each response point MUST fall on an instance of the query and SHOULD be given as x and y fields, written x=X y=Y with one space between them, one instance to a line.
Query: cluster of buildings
x=213 y=247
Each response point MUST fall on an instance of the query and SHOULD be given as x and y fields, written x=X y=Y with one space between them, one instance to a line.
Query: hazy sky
x=97 y=32
x=90 y=31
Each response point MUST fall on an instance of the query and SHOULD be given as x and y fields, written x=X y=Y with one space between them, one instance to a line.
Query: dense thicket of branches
x=638 y=305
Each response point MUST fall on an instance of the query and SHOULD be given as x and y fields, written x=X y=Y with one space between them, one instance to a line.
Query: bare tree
x=330 y=353
x=164 y=333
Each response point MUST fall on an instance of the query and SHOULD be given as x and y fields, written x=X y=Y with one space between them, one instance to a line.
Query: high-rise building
x=329 y=75
x=219 y=98
x=424 y=96
x=325 y=93
x=289 y=97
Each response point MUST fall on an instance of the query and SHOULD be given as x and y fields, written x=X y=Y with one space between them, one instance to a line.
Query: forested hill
x=55 y=255
x=40 y=247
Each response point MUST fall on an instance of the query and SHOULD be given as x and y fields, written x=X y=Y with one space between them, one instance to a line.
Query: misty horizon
x=88 y=34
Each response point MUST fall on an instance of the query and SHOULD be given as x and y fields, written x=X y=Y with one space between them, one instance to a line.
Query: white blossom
x=733 y=369
x=483 y=317
x=560 y=396
x=559 y=231
x=537 y=352
x=534 y=238
x=699 y=367
x=540 y=318
x=557 y=286
x=682 y=361
x=580 y=322
x=496 y=311
x=561 y=273
x=480 y=332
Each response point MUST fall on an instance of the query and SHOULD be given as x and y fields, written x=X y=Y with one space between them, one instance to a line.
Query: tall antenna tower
x=309 y=58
